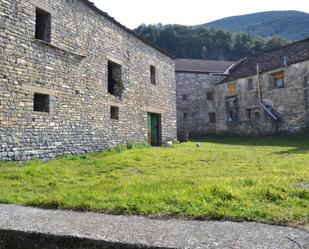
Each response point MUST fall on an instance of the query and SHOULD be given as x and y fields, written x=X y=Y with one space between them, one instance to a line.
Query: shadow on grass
x=295 y=144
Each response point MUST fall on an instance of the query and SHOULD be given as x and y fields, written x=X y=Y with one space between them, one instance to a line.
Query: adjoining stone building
x=74 y=80
x=195 y=94
x=266 y=93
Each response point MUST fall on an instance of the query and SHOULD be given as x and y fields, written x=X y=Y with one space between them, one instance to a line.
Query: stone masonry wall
x=193 y=107
x=73 y=71
x=290 y=103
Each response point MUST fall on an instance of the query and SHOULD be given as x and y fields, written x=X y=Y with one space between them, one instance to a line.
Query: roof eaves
x=92 y=5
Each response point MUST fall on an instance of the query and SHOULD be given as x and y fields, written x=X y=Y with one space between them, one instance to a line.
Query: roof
x=202 y=66
x=270 y=60
x=92 y=6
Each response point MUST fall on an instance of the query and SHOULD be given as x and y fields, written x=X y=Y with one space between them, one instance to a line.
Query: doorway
x=154 y=129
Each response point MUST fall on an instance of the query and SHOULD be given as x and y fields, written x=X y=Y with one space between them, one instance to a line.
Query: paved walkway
x=150 y=233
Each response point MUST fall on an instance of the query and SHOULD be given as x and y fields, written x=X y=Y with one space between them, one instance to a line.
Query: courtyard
x=228 y=178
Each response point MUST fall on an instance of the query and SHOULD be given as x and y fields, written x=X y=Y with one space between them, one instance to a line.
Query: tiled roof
x=202 y=66
x=107 y=16
x=270 y=60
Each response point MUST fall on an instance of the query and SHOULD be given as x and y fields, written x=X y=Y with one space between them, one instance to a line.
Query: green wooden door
x=153 y=121
x=149 y=128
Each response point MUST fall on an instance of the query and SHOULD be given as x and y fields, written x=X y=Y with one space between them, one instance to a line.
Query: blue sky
x=132 y=13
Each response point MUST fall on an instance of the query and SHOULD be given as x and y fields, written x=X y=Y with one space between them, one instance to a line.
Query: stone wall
x=193 y=106
x=72 y=69
x=290 y=103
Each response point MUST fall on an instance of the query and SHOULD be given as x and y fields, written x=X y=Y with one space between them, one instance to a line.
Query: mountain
x=293 y=25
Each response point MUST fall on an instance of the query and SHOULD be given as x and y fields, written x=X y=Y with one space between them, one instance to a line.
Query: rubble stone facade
x=241 y=113
x=196 y=104
x=70 y=71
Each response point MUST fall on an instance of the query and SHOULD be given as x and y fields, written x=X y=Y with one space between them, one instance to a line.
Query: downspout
x=260 y=94
x=258 y=82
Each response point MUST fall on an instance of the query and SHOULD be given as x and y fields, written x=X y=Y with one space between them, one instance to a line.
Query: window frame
x=278 y=77
x=112 y=83
x=153 y=75
x=212 y=117
x=249 y=114
x=41 y=102
x=210 y=96
x=114 y=112
x=249 y=84
x=42 y=25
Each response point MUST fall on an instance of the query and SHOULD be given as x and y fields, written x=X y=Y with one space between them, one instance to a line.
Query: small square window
x=43 y=25
x=153 y=75
x=209 y=95
x=184 y=97
x=212 y=117
x=250 y=84
x=115 y=112
x=278 y=79
x=41 y=102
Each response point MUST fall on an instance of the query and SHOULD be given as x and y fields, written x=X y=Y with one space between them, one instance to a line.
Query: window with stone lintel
x=115 y=83
x=42 y=25
x=41 y=102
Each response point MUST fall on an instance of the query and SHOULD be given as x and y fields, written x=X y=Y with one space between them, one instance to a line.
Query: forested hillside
x=206 y=43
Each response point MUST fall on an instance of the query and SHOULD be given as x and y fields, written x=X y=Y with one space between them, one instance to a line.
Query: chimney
x=285 y=61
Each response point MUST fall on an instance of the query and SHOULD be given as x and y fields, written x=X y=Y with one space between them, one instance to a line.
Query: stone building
x=74 y=80
x=195 y=94
x=266 y=93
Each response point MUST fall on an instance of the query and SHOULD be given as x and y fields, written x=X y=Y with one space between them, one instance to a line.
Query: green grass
x=228 y=178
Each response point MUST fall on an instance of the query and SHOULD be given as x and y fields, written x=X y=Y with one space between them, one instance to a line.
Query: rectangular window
x=212 y=117
x=43 y=25
x=184 y=97
x=153 y=75
x=232 y=89
x=249 y=114
x=278 y=79
x=41 y=102
x=115 y=85
x=209 y=95
x=257 y=115
x=185 y=116
x=114 y=112
x=231 y=116
x=250 y=84
x=306 y=81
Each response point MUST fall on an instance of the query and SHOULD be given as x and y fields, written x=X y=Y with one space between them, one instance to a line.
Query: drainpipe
x=260 y=94
x=258 y=82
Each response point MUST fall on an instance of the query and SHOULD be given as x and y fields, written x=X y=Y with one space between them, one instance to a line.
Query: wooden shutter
x=232 y=89
x=278 y=75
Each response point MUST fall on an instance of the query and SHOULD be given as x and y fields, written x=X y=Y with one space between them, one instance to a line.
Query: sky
x=132 y=13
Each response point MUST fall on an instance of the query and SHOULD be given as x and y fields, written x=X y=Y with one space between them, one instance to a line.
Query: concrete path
x=150 y=233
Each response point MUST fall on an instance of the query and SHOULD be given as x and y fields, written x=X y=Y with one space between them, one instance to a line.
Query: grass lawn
x=228 y=178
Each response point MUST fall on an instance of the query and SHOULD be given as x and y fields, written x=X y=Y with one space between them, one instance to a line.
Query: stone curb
x=37 y=228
